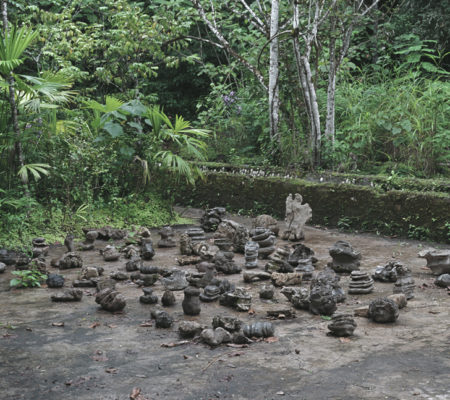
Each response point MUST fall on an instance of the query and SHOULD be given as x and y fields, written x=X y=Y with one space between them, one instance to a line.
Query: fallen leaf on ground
x=434 y=312
x=271 y=339
x=94 y=325
x=237 y=354
x=175 y=344
x=280 y=393
x=57 y=323
x=344 y=340
x=111 y=326
x=146 y=324
x=135 y=393
x=251 y=311
x=111 y=370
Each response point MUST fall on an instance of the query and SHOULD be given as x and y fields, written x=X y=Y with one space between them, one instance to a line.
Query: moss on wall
x=419 y=215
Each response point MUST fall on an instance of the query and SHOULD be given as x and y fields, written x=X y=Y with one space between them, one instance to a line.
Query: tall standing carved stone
x=297 y=215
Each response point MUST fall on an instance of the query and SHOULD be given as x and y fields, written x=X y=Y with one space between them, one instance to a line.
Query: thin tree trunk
x=12 y=102
x=274 y=99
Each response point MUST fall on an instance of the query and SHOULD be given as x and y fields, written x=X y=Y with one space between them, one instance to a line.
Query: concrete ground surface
x=98 y=355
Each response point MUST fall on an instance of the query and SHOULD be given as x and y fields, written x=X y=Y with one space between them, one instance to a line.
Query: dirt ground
x=97 y=355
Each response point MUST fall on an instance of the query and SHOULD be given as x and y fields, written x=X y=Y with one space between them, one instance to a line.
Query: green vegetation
x=92 y=95
x=27 y=278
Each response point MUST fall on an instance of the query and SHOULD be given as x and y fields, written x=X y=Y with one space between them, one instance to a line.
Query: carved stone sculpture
x=110 y=300
x=329 y=277
x=345 y=259
x=383 y=310
x=303 y=260
x=110 y=253
x=342 y=325
x=189 y=329
x=162 y=319
x=259 y=329
x=404 y=283
x=148 y=297
x=70 y=260
x=40 y=248
x=191 y=301
x=223 y=262
x=147 y=251
x=278 y=261
x=237 y=233
x=388 y=272
x=215 y=337
x=239 y=299
x=68 y=295
x=55 y=281
x=265 y=239
x=267 y=292
x=360 y=283
x=268 y=222
x=437 y=260
x=167 y=238
x=212 y=218
x=298 y=297
x=297 y=215
x=289 y=279
x=251 y=255
x=176 y=281
x=322 y=300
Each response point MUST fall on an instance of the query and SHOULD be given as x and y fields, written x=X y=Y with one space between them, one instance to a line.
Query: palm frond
x=12 y=46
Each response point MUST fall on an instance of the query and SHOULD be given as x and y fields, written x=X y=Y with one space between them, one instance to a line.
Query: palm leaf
x=12 y=46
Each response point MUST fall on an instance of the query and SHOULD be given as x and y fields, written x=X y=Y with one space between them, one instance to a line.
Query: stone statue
x=297 y=215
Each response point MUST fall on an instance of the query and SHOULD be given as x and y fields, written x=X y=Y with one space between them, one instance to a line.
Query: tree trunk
x=274 y=99
x=12 y=103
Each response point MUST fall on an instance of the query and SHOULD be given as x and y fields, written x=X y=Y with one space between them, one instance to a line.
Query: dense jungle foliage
x=103 y=102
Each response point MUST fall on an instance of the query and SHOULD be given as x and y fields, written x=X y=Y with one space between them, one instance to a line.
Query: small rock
x=267 y=292
x=119 y=276
x=168 y=298
x=289 y=279
x=191 y=301
x=383 y=310
x=68 y=295
x=443 y=280
x=189 y=329
x=342 y=325
x=55 y=281
x=110 y=300
x=162 y=319
x=361 y=312
x=2 y=267
x=215 y=337
x=259 y=329
x=400 y=299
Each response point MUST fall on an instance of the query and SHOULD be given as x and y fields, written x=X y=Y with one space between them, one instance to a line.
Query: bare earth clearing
x=103 y=356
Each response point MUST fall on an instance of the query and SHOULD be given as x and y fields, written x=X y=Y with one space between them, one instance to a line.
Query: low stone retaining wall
x=418 y=215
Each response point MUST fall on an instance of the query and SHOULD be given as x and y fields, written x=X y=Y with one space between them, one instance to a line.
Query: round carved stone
x=383 y=310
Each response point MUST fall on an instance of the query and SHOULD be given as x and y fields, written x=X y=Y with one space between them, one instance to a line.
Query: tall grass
x=402 y=120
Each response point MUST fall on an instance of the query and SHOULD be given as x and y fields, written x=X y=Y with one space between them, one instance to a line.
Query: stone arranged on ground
x=148 y=297
x=110 y=253
x=2 y=267
x=148 y=279
x=383 y=310
x=22 y=261
x=278 y=261
x=265 y=239
x=237 y=233
x=8 y=257
x=162 y=319
x=196 y=235
x=388 y=272
x=90 y=272
x=185 y=244
x=168 y=298
x=302 y=260
x=105 y=283
x=134 y=264
x=443 y=280
x=267 y=292
x=212 y=218
x=68 y=295
x=110 y=300
x=55 y=281
x=251 y=254
x=259 y=330
x=176 y=281
x=70 y=260
x=268 y=222
x=68 y=242
x=189 y=329
x=131 y=251
x=191 y=302
x=404 y=283
x=322 y=300
x=119 y=276
x=298 y=297
x=167 y=238
x=329 y=277
x=188 y=260
x=399 y=299
x=253 y=276
x=210 y=293
x=223 y=262
x=290 y=279
x=84 y=283
x=345 y=258
x=89 y=242
x=40 y=248
x=437 y=260
x=215 y=337
x=231 y=324
x=107 y=233
x=202 y=280
x=147 y=251
x=297 y=215
x=360 y=283
x=342 y=325
x=238 y=298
